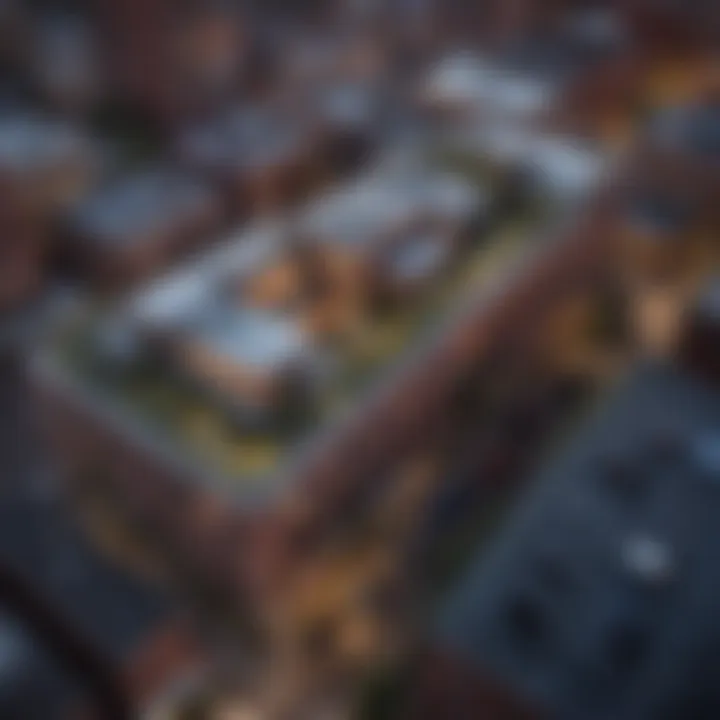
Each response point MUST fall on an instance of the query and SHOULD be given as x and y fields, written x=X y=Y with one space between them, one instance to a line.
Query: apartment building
x=233 y=476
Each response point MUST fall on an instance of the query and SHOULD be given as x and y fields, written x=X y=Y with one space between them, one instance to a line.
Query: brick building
x=259 y=155
x=172 y=59
x=573 y=76
x=44 y=166
x=282 y=518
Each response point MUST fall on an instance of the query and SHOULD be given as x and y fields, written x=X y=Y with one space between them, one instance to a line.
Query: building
x=388 y=234
x=671 y=26
x=698 y=344
x=572 y=76
x=170 y=60
x=658 y=232
x=44 y=166
x=381 y=279
x=66 y=65
x=257 y=364
x=85 y=602
x=33 y=683
x=597 y=598
x=135 y=225
x=260 y=156
x=232 y=490
x=682 y=141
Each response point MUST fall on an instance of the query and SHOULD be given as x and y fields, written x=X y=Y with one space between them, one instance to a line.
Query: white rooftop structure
x=382 y=202
x=488 y=87
x=565 y=167
x=560 y=165
x=176 y=297
x=252 y=338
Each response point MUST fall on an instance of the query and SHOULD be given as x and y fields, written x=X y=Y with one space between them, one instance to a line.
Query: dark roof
x=703 y=130
x=660 y=212
x=694 y=129
x=113 y=609
x=599 y=599
x=33 y=684
x=558 y=55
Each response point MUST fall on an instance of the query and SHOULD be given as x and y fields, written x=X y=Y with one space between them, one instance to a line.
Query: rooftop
x=660 y=213
x=179 y=295
x=66 y=51
x=33 y=684
x=112 y=608
x=559 y=166
x=489 y=86
x=250 y=137
x=252 y=338
x=419 y=258
x=384 y=201
x=689 y=128
x=708 y=305
x=594 y=555
x=148 y=202
x=352 y=104
x=29 y=143
x=183 y=421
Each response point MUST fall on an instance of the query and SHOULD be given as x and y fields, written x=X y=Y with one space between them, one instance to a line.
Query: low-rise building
x=262 y=157
x=573 y=76
x=66 y=64
x=135 y=225
x=44 y=166
x=171 y=62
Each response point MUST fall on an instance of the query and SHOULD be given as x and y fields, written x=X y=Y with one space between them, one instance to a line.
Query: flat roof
x=381 y=202
x=420 y=257
x=185 y=290
x=252 y=136
x=149 y=201
x=33 y=683
x=693 y=126
x=29 y=142
x=251 y=338
x=176 y=423
x=660 y=211
x=607 y=550
x=490 y=85
x=111 y=607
